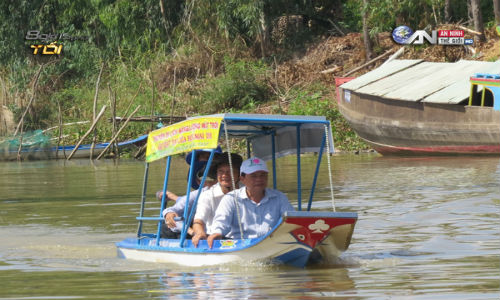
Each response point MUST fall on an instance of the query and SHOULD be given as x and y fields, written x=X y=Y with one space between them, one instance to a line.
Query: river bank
x=182 y=85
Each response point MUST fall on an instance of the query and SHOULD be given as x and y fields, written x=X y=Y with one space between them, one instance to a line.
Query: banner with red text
x=202 y=133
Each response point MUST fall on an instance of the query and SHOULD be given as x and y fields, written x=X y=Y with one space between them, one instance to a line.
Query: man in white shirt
x=260 y=208
x=201 y=158
x=170 y=228
x=210 y=199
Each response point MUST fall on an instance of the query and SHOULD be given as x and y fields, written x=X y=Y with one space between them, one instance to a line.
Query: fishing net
x=32 y=142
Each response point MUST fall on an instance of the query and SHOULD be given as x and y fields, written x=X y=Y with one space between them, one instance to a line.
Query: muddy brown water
x=428 y=228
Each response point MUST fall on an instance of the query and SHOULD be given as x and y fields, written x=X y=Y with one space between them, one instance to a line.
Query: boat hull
x=291 y=242
x=53 y=152
x=409 y=128
x=62 y=152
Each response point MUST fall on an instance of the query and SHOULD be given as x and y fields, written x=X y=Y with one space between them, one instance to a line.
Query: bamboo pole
x=469 y=30
x=67 y=124
x=4 y=96
x=116 y=135
x=133 y=98
x=330 y=70
x=60 y=128
x=368 y=63
x=20 y=141
x=173 y=95
x=94 y=109
x=35 y=83
x=141 y=150
x=276 y=82
x=112 y=99
x=153 y=99
x=394 y=56
x=101 y=113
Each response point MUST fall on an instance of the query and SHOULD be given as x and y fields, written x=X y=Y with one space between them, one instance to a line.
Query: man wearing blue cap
x=259 y=207
x=171 y=228
x=200 y=161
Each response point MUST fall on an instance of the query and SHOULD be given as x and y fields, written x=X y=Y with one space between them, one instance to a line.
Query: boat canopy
x=417 y=80
x=266 y=135
x=260 y=130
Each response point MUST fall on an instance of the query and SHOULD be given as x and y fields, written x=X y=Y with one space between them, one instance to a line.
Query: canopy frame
x=253 y=128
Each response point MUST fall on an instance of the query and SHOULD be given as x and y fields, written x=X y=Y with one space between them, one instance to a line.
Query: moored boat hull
x=413 y=128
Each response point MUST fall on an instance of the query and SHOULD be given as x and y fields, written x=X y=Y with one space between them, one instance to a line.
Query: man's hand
x=199 y=232
x=197 y=237
x=169 y=219
x=212 y=237
x=170 y=196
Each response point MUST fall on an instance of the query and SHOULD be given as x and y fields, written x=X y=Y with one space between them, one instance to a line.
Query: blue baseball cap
x=188 y=156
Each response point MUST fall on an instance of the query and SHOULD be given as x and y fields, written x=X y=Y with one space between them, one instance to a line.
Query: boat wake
x=45 y=248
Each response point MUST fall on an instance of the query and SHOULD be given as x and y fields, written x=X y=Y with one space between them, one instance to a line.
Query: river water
x=428 y=228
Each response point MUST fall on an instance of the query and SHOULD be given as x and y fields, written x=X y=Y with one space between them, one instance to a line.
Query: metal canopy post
x=163 y=198
x=318 y=164
x=248 y=149
x=189 y=212
x=188 y=191
x=143 y=200
x=273 y=152
x=471 y=96
x=299 y=181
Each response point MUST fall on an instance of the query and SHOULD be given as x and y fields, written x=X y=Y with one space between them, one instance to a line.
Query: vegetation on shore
x=185 y=58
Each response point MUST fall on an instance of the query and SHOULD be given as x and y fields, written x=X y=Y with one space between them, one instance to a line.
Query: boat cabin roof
x=267 y=136
x=246 y=125
x=417 y=80
x=260 y=129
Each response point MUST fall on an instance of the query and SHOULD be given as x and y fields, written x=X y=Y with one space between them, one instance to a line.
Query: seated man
x=210 y=199
x=259 y=207
x=200 y=161
x=171 y=229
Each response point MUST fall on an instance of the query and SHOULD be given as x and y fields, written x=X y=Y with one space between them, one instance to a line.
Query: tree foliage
x=126 y=28
x=227 y=42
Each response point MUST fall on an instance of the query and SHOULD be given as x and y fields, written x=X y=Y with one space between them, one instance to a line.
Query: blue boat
x=300 y=236
x=43 y=150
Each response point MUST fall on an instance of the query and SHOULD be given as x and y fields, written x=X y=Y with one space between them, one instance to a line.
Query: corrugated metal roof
x=379 y=73
x=413 y=80
x=460 y=89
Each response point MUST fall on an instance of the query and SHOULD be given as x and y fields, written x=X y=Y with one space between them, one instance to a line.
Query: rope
x=233 y=182
x=329 y=166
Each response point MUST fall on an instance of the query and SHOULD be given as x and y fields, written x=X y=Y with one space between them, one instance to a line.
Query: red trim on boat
x=314 y=230
x=482 y=149
x=485 y=79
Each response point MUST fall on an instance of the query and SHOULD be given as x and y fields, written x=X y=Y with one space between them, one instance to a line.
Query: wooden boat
x=299 y=236
x=412 y=107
